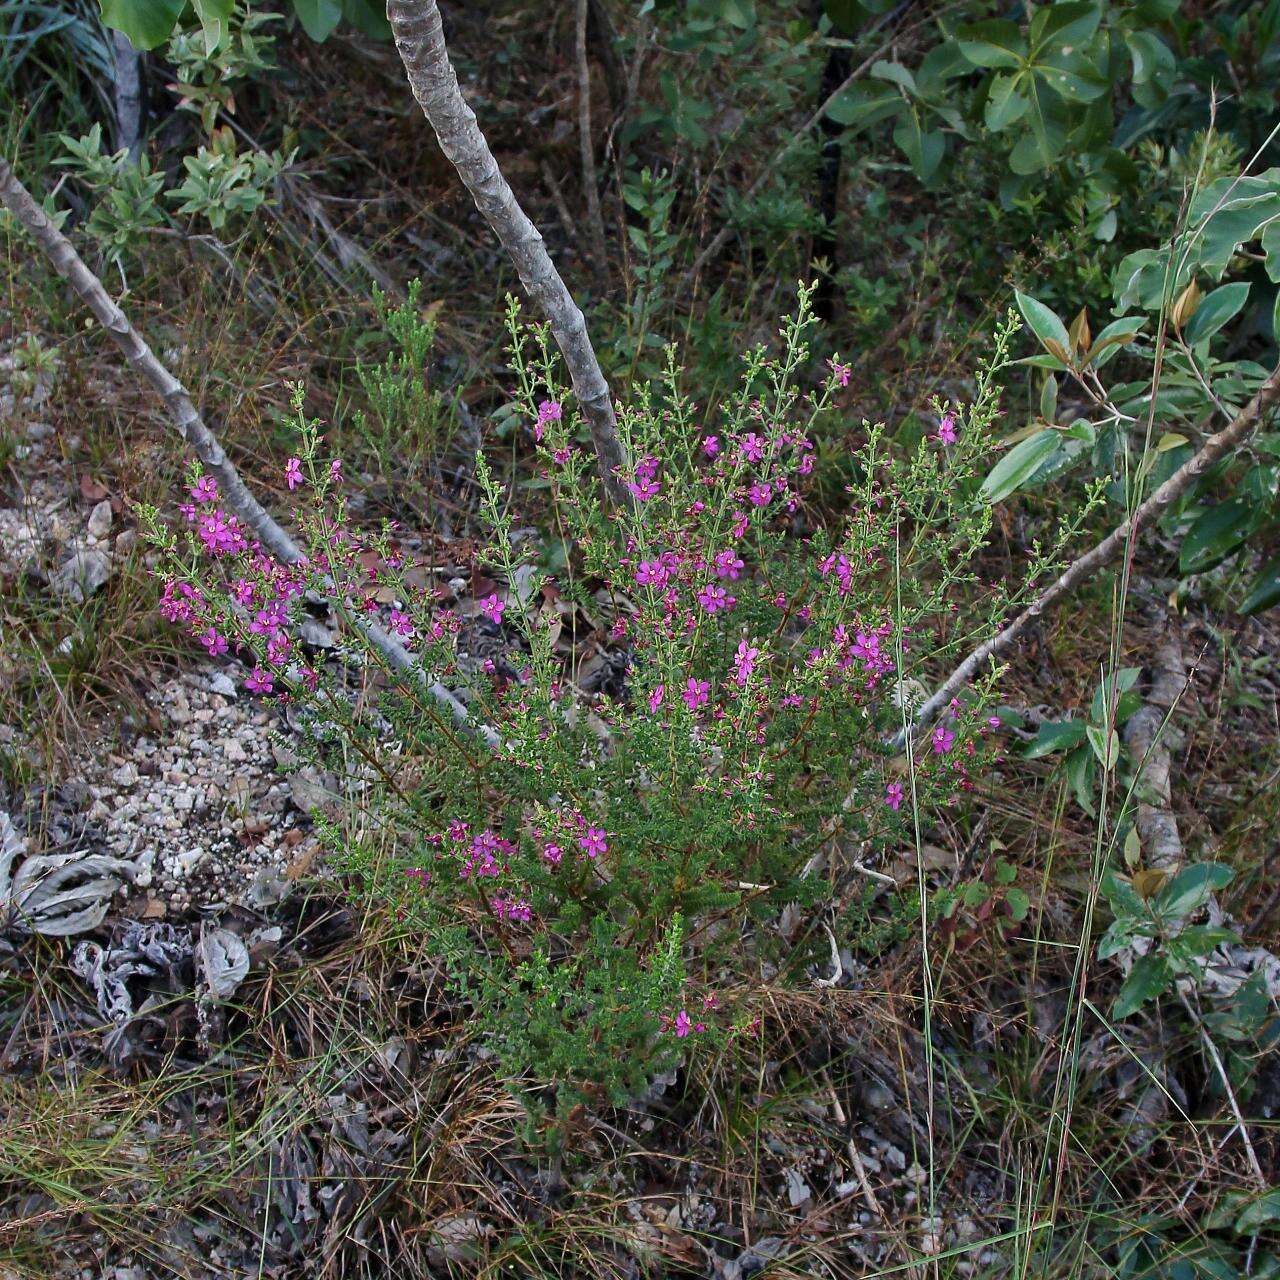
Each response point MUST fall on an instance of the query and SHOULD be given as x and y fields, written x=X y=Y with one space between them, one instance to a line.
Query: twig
x=855 y=1156
x=1230 y=1092
x=419 y=37
x=595 y=219
x=1215 y=447
x=184 y=415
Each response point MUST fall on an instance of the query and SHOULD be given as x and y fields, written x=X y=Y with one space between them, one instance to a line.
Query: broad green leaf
x=1049 y=399
x=894 y=72
x=1127 y=702
x=1149 y=977
x=318 y=17
x=1191 y=888
x=147 y=23
x=1018 y=466
x=1068 y=25
x=1081 y=767
x=1216 y=533
x=1152 y=58
x=1019 y=904
x=996 y=43
x=1143 y=279
x=1006 y=105
x=369 y=17
x=1105 y=744
x=1265 y=591
x=923 y=149
x=1231 y=212
x=1265 y=1209
x=1217 y=309
x=1056 y=735
x=1044 y=323
x=215 y=21
x=861 y=106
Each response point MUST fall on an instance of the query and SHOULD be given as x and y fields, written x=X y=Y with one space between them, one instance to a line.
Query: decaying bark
x=419 y=37
x=1121 y=537
x=184 y=415
x=128 y=95
x=1149 y=737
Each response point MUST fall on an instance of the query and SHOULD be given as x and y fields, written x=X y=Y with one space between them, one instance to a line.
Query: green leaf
x=923 y=149
x=1106 y=746
x=1019 y=904
x=1152 y=58
x=1006 y=105
x=1220 y=307
x=1265 y=592
x=995 y=43
x=318 y=17
x=1119 y=333
x=215 y=21
x=1216 y=533
x=1059 y=25
x=147 y=23
x=1045 y=324
x=369 y=17
x=1081 y=767
x=894 y=72
x=861 y=106
x=1056 y=735
x=1265 y=1209
x=1018 y=466
x=1191 y=888
x=1149 y=977
x=1127 y=702
x=1229 y=213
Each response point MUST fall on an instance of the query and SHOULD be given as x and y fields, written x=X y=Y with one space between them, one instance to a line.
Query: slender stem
x=419 y=36
x=595 y=219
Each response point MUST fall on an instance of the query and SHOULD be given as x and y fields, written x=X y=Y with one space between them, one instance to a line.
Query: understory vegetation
x=733 y=732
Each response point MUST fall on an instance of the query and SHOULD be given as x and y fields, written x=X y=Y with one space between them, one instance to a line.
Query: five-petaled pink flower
x=744 y=662
x=594 y=842
x=652 y=573
x=947 y=429
x=714 y=597
x=893 y=796
x=259 y=681
x=492 y=607
x=711 y=446
x=840 y=372
x=655 y=698
x=695 y=692
x=205 y=489
x=943 y=739
x=335 y=471
x=683 y=1024
x=214 y=641
x=293 y=472
x=752 y=447
x=727 y=565
x=552 y=852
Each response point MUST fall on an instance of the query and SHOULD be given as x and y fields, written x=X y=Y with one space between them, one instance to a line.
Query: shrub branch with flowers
x=597 y=879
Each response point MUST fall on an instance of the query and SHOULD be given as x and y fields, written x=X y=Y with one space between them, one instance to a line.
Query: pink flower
x=259 y=681
x=655 y=698
x=893 y=796
x=759 y=494
x=493 y=608
x=695 y=693
x=727 y=565
x=562 y=455
x=943 y=740
x=279 y=647
x=335 y=471
x=644 y=489
x=205 y=489
x=752 y=447
x=550 y=411
x=652 y=573
x=744 y=662
x=400 y=623
x=711 y=446
x=740 y=522
x=214 y=641
x=293 y=472
x=714 y=597
x=683 y=1024
x=243 y=591
x=594 y=842
x=947 y=429
x=552 y=852
x=840 y=372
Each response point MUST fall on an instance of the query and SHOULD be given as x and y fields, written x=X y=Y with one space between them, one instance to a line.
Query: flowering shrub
x=596 y=873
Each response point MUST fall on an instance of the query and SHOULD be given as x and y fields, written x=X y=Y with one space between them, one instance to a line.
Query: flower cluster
x=577 y=859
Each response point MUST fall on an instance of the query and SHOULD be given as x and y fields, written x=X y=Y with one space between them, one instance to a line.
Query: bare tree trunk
x=1121 y=537
x=203 y=443
x=128 y=95
x=419 y=37
x=590 y=182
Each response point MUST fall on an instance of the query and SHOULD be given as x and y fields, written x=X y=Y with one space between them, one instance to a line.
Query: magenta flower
x=550 y=411
x=840 y=372
x=400 y=623
x=259 y=681
x=214 y=641
x=752 y=447
x=943 y=740
x=205 y=489
x=652 y=573
x=947 y=429
x=594 y=842
x=683 y=1024
x=728 y=565
x=695 y=693
x=335 y=471
x=655 y=698
x=711 y=446
x=759 y=494
x=493 y=608
x=562 y=455
x=893 y=796
x=744 y=662
x=714 y=597
x=552 y=852
x=279 y=647
x=644 y=489
x=293 y=472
